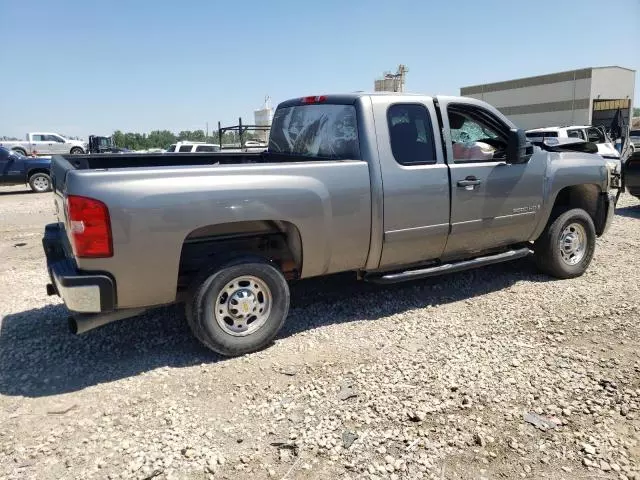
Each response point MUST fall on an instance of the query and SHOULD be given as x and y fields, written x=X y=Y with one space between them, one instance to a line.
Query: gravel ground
x=494 y=373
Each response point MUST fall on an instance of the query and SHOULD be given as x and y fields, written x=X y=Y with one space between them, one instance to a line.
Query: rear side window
x=172 y=148
x=411 y=134
x=206 y=148
x=542 y=134
x=185 y=148
x=322 y=131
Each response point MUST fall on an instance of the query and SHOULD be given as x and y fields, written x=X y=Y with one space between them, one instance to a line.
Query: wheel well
x=276 y=241
x=37 y=170
x=588 y=198
x=18 y=149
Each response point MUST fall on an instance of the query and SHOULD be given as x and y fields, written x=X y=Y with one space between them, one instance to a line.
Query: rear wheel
x=566 y=247
x=239 y=307
x=76 y=151
x=40 y=182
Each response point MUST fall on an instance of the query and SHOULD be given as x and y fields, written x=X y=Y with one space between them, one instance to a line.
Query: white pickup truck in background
x=46 y=143
x=587 y=133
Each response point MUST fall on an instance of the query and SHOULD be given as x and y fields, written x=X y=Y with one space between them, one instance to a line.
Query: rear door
x=492 y=203
x=414 y=178
x=40 y=144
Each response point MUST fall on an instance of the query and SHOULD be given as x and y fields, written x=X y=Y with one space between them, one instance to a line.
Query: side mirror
x=519 y=150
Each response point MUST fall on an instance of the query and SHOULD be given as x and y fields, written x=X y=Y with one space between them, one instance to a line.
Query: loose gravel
x=494 y=373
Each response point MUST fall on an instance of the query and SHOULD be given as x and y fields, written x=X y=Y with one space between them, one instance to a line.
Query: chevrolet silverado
x=393 y=187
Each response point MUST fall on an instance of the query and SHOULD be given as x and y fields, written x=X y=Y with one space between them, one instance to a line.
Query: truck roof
x=349 y=98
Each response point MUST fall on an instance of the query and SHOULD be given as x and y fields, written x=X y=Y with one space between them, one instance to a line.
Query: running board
x=396 y=277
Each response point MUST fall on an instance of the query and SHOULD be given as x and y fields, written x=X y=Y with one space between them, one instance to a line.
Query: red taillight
x=89 y=227
x=314 y=99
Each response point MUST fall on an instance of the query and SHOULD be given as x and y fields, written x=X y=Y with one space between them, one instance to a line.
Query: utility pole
x=205 y=138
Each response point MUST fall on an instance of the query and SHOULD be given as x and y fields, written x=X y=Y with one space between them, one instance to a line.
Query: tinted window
x=206 y=148
x=185 y=148
x=38 y=138
x=595 y=135
x=634 y=133
x=542 y=134
x=411 y=134
x=172 y=148
x=575 y=134
x=475 y=135
x=321 y=131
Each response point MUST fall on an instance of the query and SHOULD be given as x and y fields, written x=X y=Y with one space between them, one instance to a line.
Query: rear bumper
x=81 y=292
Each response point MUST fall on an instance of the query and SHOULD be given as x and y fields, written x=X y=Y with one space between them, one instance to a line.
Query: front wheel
x=40 y=182
x=567 y=244
x=238 y=308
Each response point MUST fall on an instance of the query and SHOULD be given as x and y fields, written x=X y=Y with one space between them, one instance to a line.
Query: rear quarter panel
x=153 y=210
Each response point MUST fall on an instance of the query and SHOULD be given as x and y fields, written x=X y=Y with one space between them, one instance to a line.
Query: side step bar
x=416 y=274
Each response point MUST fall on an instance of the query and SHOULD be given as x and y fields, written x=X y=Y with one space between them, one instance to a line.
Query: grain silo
x=263 y=118
x=391 y=82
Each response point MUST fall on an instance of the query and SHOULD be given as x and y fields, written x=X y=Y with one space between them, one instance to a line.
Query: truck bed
x=124 y=160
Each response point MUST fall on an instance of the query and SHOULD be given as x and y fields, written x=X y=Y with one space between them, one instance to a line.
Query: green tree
x=160 y=139
x=636 y=112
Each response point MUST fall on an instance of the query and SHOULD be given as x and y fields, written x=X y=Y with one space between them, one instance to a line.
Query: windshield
x=322 y=131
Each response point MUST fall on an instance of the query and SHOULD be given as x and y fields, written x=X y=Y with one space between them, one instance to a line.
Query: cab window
x=476 y=135
x=576 y=133
x=595 y=135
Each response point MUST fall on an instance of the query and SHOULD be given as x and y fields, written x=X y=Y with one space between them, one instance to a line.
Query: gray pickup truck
x=392 y=187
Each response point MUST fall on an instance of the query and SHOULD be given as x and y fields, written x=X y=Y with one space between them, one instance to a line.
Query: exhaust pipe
x=83 y=322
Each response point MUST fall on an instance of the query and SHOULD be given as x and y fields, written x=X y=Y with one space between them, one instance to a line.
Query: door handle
x=469 y=182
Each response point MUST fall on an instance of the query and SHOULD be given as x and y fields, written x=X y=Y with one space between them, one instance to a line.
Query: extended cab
x=16 y=169
x=393 y=187
x=46 y=143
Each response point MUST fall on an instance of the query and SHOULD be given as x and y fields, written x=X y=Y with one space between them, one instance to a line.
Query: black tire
x=20 y=151
x=40 y=182
x=548 y=255
x=201 y=305
x=76 y=151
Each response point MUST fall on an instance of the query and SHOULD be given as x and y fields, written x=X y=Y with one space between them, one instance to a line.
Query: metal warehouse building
x=590 y=96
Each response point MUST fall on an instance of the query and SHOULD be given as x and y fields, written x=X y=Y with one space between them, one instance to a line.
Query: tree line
x=164 y=138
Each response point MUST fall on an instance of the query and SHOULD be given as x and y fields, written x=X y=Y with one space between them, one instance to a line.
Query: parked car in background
x=193 y=147
x=16 y=169
x=99 y=144
x=45 y=143
x=392 y=187
x=587 y=133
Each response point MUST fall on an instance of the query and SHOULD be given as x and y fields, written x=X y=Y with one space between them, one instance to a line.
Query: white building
x=590 y=96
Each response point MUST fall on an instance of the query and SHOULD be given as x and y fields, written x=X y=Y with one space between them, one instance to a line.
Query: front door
x=57 y=145
x=415 y=181
x=493 y=203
